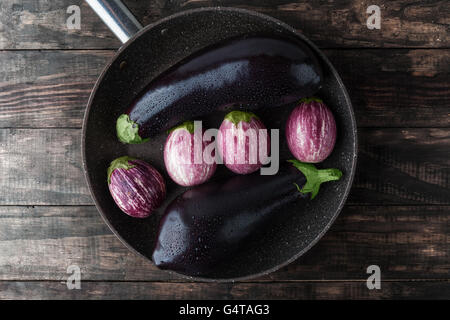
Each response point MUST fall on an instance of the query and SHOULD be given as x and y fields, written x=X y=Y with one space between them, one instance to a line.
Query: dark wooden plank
x=252 y=291
x=343 y=23
x=396 y=166
x=47 y=89
x=396 y=88
x=42 y=242
x=399 y=166
x=39 y=243
x=41 y=24
x=42 y=167
x=406 y=242
x=389 y=88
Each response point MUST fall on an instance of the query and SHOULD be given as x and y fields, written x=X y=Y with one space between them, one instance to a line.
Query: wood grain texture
x=42 y=167
x=39 y=243
x=389 y=88
x=251 y=291
x=395 y=166
x=41 y=24
x=397 y=215
x=396 y=88
x=47 y=89
x=398 y=166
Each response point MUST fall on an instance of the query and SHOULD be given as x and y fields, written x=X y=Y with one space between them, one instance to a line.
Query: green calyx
x=314 y=177
x=237 y=116
x=127 y=130
x=187 y=125
x=119 y=163
x=310 y=99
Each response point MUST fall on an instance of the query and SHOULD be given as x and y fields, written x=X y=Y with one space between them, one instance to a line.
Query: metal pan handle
x=117 y=17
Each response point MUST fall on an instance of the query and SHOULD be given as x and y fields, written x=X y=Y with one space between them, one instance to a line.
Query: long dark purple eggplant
x=208 y=223
x=254 y=71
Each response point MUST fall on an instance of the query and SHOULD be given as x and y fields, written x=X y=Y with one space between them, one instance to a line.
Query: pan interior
x=161 y=45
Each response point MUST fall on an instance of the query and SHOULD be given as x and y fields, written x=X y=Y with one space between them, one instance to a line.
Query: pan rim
x=348 y=102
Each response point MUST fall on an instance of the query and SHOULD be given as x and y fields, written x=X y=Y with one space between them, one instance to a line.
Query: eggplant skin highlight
x=255 y=71
x=209 y=223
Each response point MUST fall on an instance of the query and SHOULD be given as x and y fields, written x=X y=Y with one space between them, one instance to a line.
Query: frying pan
x=147 y=52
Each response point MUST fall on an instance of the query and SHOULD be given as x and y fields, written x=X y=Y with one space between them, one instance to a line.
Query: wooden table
x=398 y=213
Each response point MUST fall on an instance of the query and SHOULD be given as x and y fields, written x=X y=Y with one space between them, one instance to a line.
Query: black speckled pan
x=151 y=51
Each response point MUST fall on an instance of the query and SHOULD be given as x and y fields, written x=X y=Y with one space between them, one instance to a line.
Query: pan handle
x=117 y=17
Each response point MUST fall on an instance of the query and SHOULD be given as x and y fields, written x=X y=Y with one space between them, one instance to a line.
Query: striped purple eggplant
x=243 y=142
x=184 y=159
x=136 y=187
x=311 y=131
